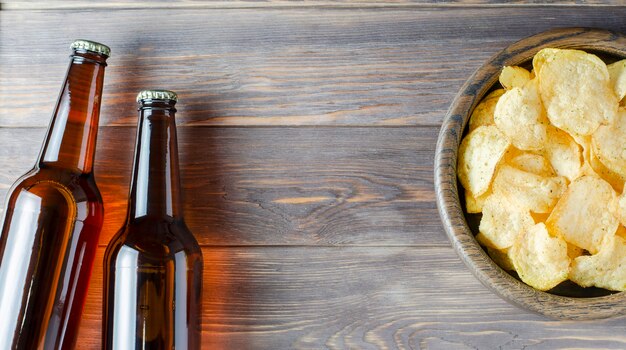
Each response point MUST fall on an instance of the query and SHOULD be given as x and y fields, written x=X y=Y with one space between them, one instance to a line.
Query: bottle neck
x=155 y=188
x=71 y=139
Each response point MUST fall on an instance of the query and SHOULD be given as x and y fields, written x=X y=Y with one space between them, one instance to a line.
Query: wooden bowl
x=573 y=304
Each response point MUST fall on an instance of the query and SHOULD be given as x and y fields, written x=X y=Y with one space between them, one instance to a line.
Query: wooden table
x=307 y=135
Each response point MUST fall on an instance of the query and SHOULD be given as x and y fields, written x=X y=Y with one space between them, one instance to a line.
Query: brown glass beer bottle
x=53 y=218
x=153 y=265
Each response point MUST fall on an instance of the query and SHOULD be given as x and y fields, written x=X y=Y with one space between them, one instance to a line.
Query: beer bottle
x=53 y=218
x=153 y=265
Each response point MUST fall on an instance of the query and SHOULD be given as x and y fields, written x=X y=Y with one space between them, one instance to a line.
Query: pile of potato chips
x=545 y=163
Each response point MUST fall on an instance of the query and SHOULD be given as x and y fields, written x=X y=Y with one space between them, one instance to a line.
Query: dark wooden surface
x=307 y=135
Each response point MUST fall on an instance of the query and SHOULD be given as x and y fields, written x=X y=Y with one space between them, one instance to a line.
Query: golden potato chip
x=532 y=163
x=483 y=113
x=608 y=146
x=541 y=57
x=536 y=193
x=519 y=115
x=502 y=222
x=575 y=90
x=479 y=153
x=474 y=204
x=585 y=215
x=501 y=258
x=541 y=261
x=513 y=76
x=617 y=74
x=606 y=269
x=563 y=152
x=621 y=231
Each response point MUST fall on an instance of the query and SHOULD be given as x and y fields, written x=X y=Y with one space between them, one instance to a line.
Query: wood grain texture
x=282 y=186
x=599 y=41
x=360 y=298
x=271 y=67
x=216 y=4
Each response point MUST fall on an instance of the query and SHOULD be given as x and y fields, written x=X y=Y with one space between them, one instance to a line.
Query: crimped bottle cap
x=157 y=95
x=92 y=46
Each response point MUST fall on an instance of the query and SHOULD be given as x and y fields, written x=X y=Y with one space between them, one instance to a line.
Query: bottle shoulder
x=154 y=242
x=82 y=187
x=42 y=192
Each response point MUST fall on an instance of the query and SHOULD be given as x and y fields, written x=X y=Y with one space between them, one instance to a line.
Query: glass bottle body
x=153 y=287
x=53 y=220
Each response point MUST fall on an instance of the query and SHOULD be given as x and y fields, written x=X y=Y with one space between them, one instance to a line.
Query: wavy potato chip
x=563 y=153
x=532 y=163
x=609 y=147
x=520 y=116
x=483 y=113
x=502 y=222
x=606 y=269
x=536 y=193
x=617 y=74
x=479 y=153
x=575 y=90
x=540 y=260
x=586 y=213
x=513 y=76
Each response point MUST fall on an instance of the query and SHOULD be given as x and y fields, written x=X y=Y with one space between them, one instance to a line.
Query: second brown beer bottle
x=153 y=265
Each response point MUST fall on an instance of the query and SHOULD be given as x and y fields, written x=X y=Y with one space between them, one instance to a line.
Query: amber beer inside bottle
x=153 y=265
x=53 y=218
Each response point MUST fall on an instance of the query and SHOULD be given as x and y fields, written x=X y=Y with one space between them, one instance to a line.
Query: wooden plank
x=360 y=298
x=275 y=66
x=216 y=4
x=278 y=186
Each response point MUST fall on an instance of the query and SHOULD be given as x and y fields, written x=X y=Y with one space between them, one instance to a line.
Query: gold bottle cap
x=91 y=46
x=157 y=95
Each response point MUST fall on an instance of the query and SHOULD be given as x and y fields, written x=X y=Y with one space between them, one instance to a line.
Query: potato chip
x=501 y=258
x=483 y=113
x=617 y=74
x=563 y=152
x=502 y=222
x=606 y=269
x=513 y=76
x=621 y=231
x=607 y=144
x=532 y=163
x=479 y=153
x=474 y=204
x=575 y=90
x=536 y=193
x=541 y=57
x=540 y=260
x=520 y=116
x=585 y=215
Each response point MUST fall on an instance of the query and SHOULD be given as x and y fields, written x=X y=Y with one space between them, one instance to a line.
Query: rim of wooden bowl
x=452 y=216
